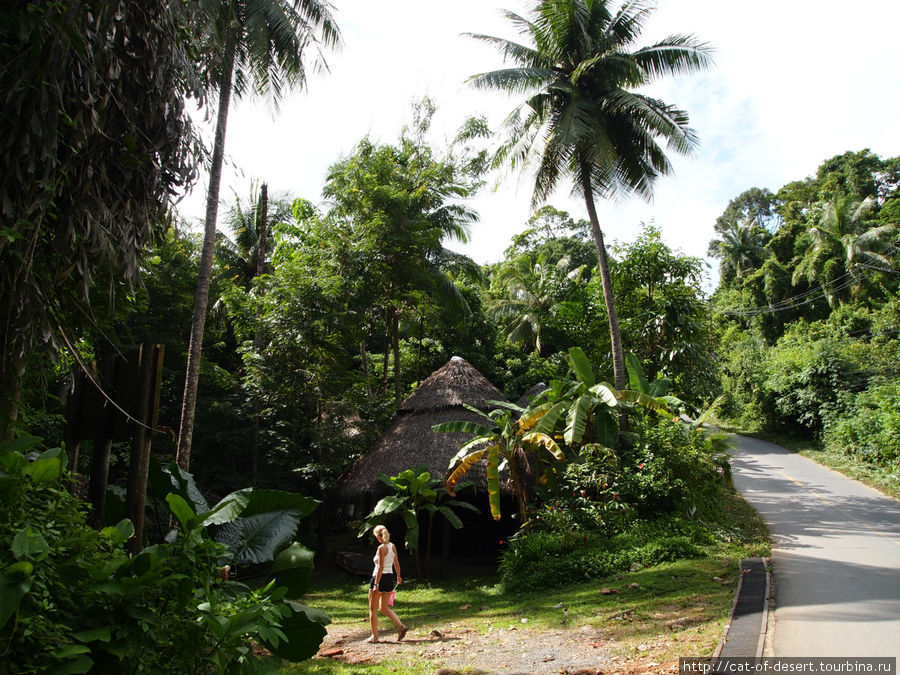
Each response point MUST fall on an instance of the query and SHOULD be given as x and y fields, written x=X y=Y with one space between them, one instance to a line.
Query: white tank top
x=388 y=561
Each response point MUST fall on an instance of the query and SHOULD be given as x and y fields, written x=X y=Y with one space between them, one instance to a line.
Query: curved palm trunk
x=201 y=296
x=262 y=222
x=615 y=334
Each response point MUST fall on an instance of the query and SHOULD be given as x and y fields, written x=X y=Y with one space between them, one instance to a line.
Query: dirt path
x=508 y=650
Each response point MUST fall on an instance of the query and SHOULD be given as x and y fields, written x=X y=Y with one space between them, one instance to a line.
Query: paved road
x=836 y=554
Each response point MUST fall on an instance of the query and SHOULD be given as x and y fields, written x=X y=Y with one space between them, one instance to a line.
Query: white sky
x=795 y=82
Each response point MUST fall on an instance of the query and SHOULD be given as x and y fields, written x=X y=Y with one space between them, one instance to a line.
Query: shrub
x=870 y=428
x=670 y=466
x=548 y=560
x=72 y=600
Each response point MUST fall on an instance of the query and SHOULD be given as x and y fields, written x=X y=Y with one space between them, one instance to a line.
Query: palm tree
x=256 y=46
x=741 y=249
x=246 y=255
x=582 y=119
x=532 y=293
x=843 y=246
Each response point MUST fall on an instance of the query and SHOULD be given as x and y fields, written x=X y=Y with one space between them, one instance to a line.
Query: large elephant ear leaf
x=262 y=501
x=259 y=538
x=172 y=478
x=304 y=629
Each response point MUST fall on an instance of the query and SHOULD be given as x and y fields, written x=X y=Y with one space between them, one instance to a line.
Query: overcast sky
x=795 y=82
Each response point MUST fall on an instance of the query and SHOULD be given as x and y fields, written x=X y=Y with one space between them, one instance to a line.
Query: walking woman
x=383 y=582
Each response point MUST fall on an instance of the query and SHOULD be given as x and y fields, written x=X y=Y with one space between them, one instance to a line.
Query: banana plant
x=650 y=395
x=503 y=438
x=416 y=492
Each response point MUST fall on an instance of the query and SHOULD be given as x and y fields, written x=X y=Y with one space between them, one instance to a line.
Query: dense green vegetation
x=291 y=339
x=808 y=304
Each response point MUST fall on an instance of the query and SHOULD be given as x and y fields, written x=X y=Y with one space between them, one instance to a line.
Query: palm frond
x=674 y=55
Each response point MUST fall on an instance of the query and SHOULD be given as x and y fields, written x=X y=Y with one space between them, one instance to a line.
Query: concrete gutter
x=748 y=625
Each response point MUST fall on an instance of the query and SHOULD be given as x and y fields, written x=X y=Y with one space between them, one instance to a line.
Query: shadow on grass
x=670 y=596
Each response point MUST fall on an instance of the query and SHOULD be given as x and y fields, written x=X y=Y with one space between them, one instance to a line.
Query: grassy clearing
x=658 y=613
x=880 y=478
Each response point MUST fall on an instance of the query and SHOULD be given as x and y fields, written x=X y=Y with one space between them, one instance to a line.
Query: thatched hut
x=410 y=442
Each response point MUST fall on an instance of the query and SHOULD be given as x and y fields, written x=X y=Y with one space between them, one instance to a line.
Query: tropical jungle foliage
x=807 y=306
x=292 y=335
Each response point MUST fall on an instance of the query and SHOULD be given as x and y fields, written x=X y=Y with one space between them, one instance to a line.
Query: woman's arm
x=397 y=565
x=382 y=551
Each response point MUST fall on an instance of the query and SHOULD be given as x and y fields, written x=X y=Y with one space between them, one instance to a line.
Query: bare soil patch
x=509 y=650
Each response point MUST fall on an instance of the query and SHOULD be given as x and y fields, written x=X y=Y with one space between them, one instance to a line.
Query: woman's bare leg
x=388 y=612
x=373 y=614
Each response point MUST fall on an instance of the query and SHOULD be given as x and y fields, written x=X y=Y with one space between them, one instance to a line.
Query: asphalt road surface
x=835 y=558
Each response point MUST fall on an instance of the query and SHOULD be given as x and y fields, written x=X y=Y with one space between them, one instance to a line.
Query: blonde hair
x=385 y=534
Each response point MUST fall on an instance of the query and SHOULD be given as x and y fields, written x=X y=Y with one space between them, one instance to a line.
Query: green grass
x=880 y=478
x=694 y=596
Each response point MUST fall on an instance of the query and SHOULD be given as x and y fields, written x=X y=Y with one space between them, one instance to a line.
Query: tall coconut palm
x=843 y=246
x=741 y=249
x=251 y=46
x=581 y=119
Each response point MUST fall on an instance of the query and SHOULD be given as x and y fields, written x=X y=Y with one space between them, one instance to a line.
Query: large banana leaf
x=493 y=480
x=451 y=517
x=388 y=505
x=259 y=538
x=606 y=429
x=549 y=417
x=462 y=469
x=463 y=426
x=576 y=420
x=656 y=405
x=412 y=530
x=636 y=380
x=506 y=404
x=659 y=387
x=606 y=394
x=582 y=367
x=546 y=441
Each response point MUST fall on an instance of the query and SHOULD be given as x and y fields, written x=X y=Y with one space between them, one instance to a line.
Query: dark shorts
x=388 y=581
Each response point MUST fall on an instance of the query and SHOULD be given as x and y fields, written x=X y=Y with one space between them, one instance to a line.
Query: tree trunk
x=365 y=367
x=151 y=358
x=428 y=544
x=387 y=353
x=395 y=347
x=201 y=297
x=262 y=219
x=12 y=369
x=615 y=334
x=99 y=477
x=262 y=227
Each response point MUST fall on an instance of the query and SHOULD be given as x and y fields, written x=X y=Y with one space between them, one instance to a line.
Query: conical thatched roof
x=410 y=442
x=526 y=398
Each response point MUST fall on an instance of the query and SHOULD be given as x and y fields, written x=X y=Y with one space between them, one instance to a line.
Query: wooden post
x=146 y=412
x=103 y=440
